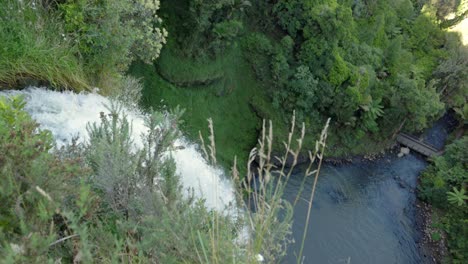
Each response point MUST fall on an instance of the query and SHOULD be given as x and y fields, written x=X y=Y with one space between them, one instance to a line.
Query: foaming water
x=66 y=115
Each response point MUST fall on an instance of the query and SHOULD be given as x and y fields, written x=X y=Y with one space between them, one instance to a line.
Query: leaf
x=457 y=197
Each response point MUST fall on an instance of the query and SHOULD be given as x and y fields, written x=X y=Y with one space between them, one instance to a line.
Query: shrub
x=448 y=171
x=258 y=49
x=112 y=34
x=33 y=183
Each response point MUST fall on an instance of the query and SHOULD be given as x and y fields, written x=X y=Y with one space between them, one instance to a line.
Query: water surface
x=362 y=213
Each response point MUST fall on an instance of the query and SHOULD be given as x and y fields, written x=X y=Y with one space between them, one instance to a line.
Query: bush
x=437 y=187
x=448 y=171
x=258 y=49
x=33 y=184
x=112 y=34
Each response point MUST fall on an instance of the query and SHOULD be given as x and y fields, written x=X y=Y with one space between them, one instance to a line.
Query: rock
x=401 y=184
x=405 y=151
x=400 y=155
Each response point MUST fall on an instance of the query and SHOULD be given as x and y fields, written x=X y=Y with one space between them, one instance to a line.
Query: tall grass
x=32 y=47
x=260 y=193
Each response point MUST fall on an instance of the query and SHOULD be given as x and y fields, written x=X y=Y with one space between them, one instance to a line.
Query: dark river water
x=364 y=212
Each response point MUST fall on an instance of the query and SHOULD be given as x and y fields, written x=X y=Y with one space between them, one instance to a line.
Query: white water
x=66 y=115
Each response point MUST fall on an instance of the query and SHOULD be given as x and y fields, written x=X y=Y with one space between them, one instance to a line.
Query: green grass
x=32 y=48
x=226 y=101
x=187 y=72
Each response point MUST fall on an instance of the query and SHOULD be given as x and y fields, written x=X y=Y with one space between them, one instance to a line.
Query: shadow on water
x=437 y=135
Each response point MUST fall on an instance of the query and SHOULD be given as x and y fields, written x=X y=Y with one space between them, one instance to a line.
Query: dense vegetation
x=366 y=64
x=374 y=66
x=107 y=201
x=76 y=44
x=444 y=185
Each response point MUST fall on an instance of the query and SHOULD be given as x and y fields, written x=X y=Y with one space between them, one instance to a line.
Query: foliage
x=452 y=78
x=457 y=197
x=357 y=66
x=32 y=182
x=33 y=48
x=208 y=27
x=449 y=171
x=112 y=34
x=258 y=51
x=76 y=44
x=444 y=185
x=365 y=57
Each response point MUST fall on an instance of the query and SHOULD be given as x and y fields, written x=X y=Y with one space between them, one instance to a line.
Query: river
x=365 y=212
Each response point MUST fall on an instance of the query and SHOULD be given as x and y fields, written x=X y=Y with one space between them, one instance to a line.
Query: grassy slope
x=226 y=101
x=32 y=49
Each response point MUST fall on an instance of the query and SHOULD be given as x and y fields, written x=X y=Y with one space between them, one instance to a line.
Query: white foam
x=66 y=115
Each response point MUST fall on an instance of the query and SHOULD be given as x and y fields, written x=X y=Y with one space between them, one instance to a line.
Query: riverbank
x=303 y=157
x=437 y=245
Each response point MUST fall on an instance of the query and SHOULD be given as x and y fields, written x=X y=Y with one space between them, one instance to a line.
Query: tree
x=209 y=25
x=372 y=62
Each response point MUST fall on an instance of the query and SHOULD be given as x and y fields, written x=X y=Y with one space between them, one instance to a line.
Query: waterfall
x=66 y=115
